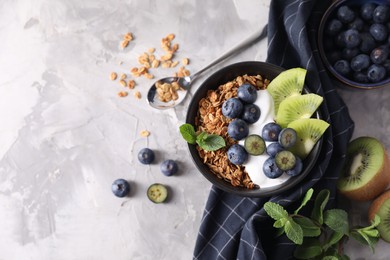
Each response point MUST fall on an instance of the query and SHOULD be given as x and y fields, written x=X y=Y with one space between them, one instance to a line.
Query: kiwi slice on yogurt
x=309 y=131
x=381 y=207
x=365 y=173
x=288 y=83
x=297 y=107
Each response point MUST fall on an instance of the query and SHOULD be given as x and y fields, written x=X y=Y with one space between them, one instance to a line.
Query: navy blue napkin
x=234 y=227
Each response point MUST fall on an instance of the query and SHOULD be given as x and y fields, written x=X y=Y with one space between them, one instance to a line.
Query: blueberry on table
x=232 y=108
x=168 y=167
x=238 y=129
x=345 y=14
x=379 y=32
x=120 y=188
x=360 y=62
x=237 y=154
x=146 y=156
x=247 y=93
x=367 y=10
x=380 y=54
x=381 y=14
x=376 y=73
x=251 y=113
x=270 y=169
x=342 y=67
x=270 y=132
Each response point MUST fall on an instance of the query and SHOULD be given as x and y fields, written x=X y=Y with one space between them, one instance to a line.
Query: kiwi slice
x=381 y=207
x=296 y=107
x=287 y=83
x=254 y=144
x=285 y=160
x=309 y=131
x=365 y=171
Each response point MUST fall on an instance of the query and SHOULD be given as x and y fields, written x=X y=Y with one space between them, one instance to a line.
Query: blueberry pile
x=357 y=42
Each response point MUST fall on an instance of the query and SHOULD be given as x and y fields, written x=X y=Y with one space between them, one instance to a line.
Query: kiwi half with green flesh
x=297 y=107
x=381 y=207
x=287 y=83
x=365 y=173
x=309 y=131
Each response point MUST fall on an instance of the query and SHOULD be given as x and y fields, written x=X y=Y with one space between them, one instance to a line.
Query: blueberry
x=146 y=156
x=345 y=14
x=270 y=169
x=381 y=14
x=297 y=168
x=342 y=67
x=379 y=55
x=271 y=132
x=360 y=62
x=357 y=24
x=333 y=27
x=367 y=10
x=237 y=154
x=367 y=43
x=238 y=129
x=287 y=137
x=376 y=73
x=361 y=76
x=251 y=113
x=247 y=93
x=348 y=53
x=232 y=108
x=168 y=167
x=379 y=32
x=334 y=56
x=120 y=188
x=351 y=38
x=274 y=148
x=386 y=64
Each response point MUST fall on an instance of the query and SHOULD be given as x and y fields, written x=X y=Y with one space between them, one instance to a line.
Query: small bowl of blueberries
x=354 y=43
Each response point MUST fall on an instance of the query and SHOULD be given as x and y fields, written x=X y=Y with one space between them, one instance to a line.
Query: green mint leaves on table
x=208 y=142
x=322 y=235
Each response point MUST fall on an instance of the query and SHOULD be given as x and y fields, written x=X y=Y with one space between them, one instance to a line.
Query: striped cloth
x=234 y=227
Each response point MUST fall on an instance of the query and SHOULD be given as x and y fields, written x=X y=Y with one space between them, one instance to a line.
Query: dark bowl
x=341 y=80
x=223 y=76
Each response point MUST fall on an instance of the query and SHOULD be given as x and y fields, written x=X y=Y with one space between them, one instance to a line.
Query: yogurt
x=254 y=164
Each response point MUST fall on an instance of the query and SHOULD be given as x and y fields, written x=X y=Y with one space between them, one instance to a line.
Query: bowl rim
x=339 y=78
x=224 y=75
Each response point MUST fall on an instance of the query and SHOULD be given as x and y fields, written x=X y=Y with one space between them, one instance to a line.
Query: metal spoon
x=185 y=82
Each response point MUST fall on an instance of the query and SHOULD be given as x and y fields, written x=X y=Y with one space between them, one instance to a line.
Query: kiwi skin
x=375 y=207
x=375 y=186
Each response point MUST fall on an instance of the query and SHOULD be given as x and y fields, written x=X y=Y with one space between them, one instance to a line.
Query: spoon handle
x=259 y=35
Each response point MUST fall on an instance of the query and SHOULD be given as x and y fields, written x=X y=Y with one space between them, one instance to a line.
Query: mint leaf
x=309 y=249
x=309 y=228
x=337 y=220
x=280 y=223
x=319 y=206
x=293 y=231
x=188 y=133
x=305 y=199
x=275 y=210
x=329 y=257
x=365 y=239
x=334 y=238
x=210 y=142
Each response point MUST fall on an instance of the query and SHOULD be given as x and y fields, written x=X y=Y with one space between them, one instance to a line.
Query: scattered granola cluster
x=211 y=120
x=147 y=61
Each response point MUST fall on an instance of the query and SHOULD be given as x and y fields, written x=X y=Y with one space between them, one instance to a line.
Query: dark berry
x=376 y=73
x=381 y=14
x=348 y=53
x=334 y=56
x=367 y=10
x=232 y=108
x=247 y=93
x=342 y=67
x=360 y=62
x=274 y=148
x=271 y=132
x=361 y=77
x=270 y=169
x=297 y=169
x=146 y=156
x=379 y=55
x=237 y=154
x=345 y=14
x=168 y=167
x=351 y=38
x=251 y=113
x=287 y=137
x=357 y=24
x=238 y=129
x=333 y=27
x=120 y=188
x=367 y=42
x=379 y=32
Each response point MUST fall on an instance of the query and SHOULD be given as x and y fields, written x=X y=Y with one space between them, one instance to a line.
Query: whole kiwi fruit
x=366 y=171
x=381 y=207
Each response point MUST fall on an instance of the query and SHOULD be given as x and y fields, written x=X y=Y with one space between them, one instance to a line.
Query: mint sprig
x=321 y=235
x=208 y=142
